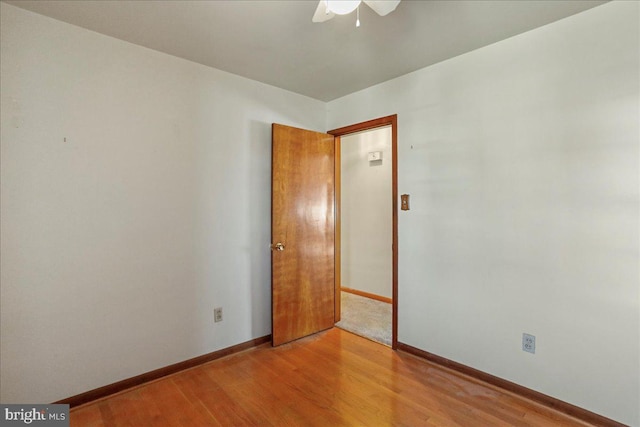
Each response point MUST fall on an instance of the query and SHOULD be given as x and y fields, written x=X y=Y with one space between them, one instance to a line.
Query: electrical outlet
x=217 y=314
x=529 y=343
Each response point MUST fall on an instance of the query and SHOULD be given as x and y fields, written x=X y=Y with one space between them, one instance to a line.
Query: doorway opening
x=366 y=231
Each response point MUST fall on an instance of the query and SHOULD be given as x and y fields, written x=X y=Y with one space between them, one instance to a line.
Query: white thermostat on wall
x=375 y=155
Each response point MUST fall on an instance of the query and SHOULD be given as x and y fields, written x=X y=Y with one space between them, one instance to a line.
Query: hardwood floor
x=333 y=378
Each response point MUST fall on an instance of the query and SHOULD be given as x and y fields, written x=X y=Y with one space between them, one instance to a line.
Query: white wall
x=118 y=242
x=521 y=160
x=366 y=213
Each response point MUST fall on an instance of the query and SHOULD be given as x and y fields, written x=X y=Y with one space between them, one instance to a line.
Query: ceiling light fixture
x=327 y=9
x=342 y=7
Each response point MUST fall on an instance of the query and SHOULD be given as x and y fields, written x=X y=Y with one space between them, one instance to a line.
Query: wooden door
x=302 y=233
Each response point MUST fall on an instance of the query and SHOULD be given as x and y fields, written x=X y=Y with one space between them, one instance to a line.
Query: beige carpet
x=366 y=317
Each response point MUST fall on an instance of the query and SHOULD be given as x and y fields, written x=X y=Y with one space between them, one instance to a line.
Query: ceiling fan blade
x=382 y=7
x=321 y=14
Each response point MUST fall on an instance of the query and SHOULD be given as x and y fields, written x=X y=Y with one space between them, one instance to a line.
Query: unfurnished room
x=320 y=213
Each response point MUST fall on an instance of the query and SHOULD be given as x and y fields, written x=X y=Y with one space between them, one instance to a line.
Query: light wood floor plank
x=333 y=378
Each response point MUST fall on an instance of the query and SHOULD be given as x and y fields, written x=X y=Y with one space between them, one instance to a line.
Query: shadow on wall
x=260 y=227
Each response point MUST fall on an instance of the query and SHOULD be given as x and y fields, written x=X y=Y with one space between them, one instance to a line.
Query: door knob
x=277 y=247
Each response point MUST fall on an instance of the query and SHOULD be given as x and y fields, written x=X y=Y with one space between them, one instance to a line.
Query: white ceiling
x=275 y=42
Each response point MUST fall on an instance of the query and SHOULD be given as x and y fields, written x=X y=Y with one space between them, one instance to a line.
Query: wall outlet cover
x=529 y=343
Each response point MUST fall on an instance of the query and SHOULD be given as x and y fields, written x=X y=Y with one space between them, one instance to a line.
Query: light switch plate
x=404 y=202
